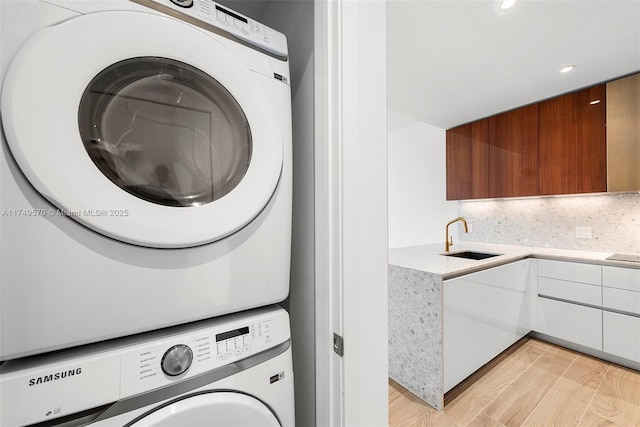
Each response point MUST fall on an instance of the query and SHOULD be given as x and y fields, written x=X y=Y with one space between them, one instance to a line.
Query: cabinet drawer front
x=570 y=322
x=621 y=299
x=622 y=335
x=571 y=271
x=572 y=291
x=621 y=278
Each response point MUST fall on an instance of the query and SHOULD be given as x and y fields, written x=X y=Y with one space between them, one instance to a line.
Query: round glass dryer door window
x=165 y=132
x=139 y=135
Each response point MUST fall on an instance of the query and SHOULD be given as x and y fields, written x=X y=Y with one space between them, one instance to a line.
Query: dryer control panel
x=223 y=18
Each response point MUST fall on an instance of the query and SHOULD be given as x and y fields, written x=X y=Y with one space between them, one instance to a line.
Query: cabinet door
x=623 y=134
x=622 y=335
x=621 y=278
x=573 y=156
x=570 y=291
x=570 y=322
x=621 y=289
x=621 y=300
x=570 y=271
x=513 y=153
x=484 y=313
x=468 y=161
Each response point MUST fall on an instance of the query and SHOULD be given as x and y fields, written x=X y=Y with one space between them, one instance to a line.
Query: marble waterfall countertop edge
x=430 y=258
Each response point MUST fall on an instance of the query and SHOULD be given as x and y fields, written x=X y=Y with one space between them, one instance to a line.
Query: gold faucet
x=448 y=241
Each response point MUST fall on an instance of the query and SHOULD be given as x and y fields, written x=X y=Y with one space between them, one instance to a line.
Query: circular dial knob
x=176 y=360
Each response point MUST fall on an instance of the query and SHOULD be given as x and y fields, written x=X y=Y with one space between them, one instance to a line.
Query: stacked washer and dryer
x=145 y=190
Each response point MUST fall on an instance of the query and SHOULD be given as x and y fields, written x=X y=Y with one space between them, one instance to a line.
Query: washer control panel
x=145 y=367
x=242 y=27
x=53 y=385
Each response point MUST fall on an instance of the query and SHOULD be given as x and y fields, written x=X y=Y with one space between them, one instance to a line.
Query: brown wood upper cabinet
x=556 y=146
x=468 y=161
x=573 y=150
x=513 y=153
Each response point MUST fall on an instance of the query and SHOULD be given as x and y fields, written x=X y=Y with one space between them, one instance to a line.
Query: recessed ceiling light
x=567 y=69
x=506 y=4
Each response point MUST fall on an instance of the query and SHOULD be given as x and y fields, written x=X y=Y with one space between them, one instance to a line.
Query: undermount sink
x=471 y=255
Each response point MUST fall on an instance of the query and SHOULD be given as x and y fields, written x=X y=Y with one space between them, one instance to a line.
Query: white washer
x=230 y=371
x=145 y=172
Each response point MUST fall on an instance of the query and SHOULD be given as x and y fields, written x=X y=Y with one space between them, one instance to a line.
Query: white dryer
x=230 y=371
x=145 y=171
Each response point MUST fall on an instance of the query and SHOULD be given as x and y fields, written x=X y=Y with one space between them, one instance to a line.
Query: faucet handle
x=448 y=243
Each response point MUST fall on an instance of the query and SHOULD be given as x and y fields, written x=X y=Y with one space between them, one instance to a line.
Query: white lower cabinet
x=571 y=322
x=569 y=302
x=621 y=278
x=570 y=291
x=621 y=300
x=591 y=305
x=621 y=318
x=594 y=306
x=484 y=313
x=621 y=335
x=570 y=271
x=621 y=289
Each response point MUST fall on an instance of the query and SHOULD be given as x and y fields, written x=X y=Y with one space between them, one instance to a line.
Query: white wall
x=357 y=138
x=351 y=209
x=418 y=210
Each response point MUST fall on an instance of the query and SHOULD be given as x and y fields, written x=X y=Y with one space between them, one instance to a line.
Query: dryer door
x=226 y=409
x=142 y=128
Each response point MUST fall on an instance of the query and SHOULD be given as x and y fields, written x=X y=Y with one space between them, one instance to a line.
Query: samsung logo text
x=54 y=377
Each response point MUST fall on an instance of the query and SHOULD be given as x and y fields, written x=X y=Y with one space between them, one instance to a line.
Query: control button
x=176 y=360
x=183 y=3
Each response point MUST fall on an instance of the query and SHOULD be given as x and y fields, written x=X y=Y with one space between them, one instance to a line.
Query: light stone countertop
x=428 y=258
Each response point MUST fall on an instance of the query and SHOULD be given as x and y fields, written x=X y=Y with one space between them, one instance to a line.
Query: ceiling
x=451 y=61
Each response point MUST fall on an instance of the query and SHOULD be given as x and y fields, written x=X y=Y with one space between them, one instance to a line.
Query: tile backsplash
x=612 y=219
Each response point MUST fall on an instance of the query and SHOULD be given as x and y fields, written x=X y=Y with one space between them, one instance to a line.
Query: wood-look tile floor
x=533 y=383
